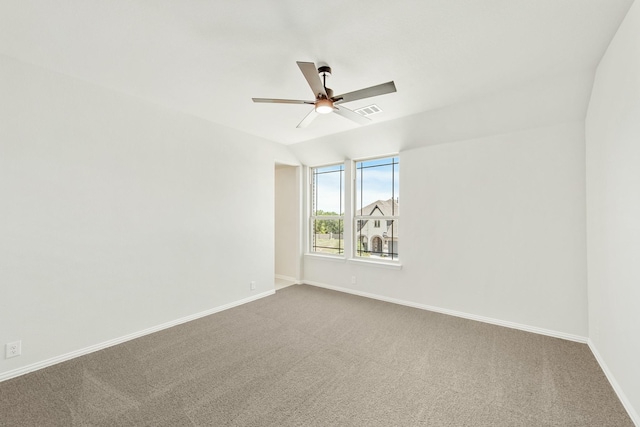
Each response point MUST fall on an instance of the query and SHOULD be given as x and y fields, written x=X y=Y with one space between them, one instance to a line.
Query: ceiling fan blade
x=351 y=115
x=308 y=119
x=282 y=101
x=381 y=89
x=311 y=74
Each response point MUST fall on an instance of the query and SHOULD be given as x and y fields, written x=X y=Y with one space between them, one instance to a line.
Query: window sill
x=336 y=258
x=333 y=258
x=381 y=264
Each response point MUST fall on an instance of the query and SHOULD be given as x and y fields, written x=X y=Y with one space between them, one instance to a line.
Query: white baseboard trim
x=614 y=384
x=506 y=324
x=287 y=278
x=64 y=357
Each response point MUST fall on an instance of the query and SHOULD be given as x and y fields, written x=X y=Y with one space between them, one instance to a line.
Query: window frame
x=311 y=247
x=349 y=218
x=395 y=217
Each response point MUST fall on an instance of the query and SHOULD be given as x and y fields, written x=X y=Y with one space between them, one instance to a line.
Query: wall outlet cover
x=13 y=349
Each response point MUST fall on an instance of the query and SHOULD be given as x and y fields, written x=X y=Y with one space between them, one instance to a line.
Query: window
x=327 y=214
x=372 y=205
x=377 y=208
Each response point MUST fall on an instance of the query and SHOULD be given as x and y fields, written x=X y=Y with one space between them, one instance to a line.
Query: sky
x=376 y=180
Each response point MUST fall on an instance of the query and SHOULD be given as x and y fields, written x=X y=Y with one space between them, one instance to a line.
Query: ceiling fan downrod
x=324 y=105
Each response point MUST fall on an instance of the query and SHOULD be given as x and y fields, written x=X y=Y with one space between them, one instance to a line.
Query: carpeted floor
x=313 y=357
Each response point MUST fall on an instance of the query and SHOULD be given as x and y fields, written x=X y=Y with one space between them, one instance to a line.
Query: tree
x=326 y=226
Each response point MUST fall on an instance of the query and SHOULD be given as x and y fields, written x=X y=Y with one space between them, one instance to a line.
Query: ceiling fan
x=325 y=102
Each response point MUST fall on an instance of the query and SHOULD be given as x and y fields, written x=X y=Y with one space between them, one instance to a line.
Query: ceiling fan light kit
x=324 y=106
x=325 y=102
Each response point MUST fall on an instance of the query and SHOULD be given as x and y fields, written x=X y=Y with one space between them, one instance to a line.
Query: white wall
x=116 y=215
x=613 y=211
x=496 y=229
x=287 y=222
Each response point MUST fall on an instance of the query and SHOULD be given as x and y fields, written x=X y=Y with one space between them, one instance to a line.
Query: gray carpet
x=313 y=357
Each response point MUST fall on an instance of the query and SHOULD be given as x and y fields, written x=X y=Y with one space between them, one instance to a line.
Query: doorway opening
x=287 y=226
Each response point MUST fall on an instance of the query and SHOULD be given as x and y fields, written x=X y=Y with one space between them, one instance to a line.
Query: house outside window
x=377 y=213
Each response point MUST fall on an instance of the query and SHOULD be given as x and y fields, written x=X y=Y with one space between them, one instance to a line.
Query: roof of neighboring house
x=380 y=208
x=385 y=207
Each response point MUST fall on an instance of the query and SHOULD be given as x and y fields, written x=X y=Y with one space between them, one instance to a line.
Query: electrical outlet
x=13 y=349
x=353 y=280
x=252 y=286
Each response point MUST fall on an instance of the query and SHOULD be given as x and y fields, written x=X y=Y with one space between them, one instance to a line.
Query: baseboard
x=506 y=324
x=614 y=384
x=77 y=353
x=289 y=279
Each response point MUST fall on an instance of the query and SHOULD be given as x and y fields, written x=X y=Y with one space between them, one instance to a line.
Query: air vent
x=369 y=110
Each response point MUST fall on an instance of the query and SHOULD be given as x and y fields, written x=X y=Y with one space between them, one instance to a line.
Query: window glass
x=377 y=208
x=327 y=213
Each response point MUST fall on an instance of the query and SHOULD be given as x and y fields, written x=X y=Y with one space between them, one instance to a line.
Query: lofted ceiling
x=209 y=58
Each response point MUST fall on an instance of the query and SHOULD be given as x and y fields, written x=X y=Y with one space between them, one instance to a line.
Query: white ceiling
x=209 y=58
